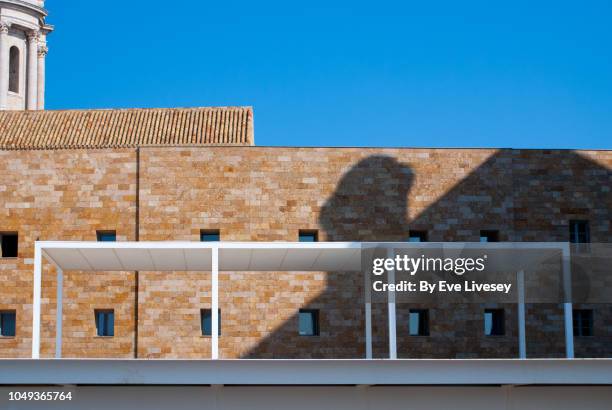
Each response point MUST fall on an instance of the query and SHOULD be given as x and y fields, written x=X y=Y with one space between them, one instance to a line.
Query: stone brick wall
x=367 y=194
x=269 y=194
x=67 y=195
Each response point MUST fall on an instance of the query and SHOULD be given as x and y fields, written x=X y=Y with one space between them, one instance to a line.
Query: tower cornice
x=25 y=5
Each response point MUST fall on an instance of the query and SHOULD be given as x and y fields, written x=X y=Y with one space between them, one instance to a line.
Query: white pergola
x=258 y=256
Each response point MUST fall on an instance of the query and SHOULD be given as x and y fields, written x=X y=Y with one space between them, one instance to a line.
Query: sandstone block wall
x=269 y=194
x=67 y=195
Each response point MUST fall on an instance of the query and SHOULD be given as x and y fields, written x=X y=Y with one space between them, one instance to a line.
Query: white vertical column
x=368 y=325
x=520 y=283
x=391 y=302
x=58 y=313
x=36 y=296
x=4 y=65
x=567 y=302
x=42 y=55
x=367 y=290
x=32 y=70
x=214 y=310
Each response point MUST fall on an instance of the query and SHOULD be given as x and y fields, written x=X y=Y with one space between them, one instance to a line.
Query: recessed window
x=309 y=322
x=105 y=322
x=494 y=322
x=206 y=322
x=308 y=235
x=417 y=236
x=106 y=236
x=489 y=236
x=210 y=235
x=418 y=322
x=14 y=69
x=580 y=234
x=7 y=323
x=9 y=244
x=583 y=322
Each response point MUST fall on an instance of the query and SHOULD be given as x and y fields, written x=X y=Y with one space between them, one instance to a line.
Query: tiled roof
x=126 y=128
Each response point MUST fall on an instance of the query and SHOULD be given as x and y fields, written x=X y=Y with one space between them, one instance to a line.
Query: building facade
x=156 y=175
x=195 y=174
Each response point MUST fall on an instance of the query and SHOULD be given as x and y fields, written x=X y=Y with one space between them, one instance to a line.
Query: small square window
x=105 y=322
x=494 y=322
x=210 y=235
x=9 y=244
x=579 y=232
x=583 y=322
x=206 y=322
x=106 y=236
x=489 y=236
x=418 y=322
x=7 y=323
x=417 y=236
x=309 y=322
x=308 y=235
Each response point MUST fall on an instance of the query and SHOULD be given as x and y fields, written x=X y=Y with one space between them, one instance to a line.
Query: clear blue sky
x=447 y=73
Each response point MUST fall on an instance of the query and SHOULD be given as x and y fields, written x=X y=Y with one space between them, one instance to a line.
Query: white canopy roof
x=197 y=256
x=235 y=256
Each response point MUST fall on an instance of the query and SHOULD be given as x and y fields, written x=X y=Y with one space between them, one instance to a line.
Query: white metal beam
x=214 y=311
x=367 y=293
x=520 y=283
x=567 y=305
x=36 y=297
x=368 y=326
x=391 y=306
x=58 y=313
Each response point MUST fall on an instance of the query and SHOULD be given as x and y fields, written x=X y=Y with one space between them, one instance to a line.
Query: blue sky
x=431 y=74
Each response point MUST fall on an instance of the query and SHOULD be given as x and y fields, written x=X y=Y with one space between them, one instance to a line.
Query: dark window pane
x=7 y=323
x=583 y=322
x=579 y=232
x=210 y=235
x=489 y=236
x=308 y=322
x=206 y=322
x=417 y=236
x=105 y=322
x=110 y=324
x=580 y=235
x=9 y=244
x=418 y=322
x=308 y=236
x=106 y=236
x=14 y=69
x=494 y=322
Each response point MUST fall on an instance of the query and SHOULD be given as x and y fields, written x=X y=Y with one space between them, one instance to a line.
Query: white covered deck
x=252 y=256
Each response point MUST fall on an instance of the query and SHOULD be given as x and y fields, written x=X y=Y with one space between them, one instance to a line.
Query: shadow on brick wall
x=369 y=203
x=526 y=195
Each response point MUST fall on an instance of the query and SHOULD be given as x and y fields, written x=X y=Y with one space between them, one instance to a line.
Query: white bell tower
x=23 y=48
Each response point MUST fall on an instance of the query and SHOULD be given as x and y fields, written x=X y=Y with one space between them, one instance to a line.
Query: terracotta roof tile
x=126 y=128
